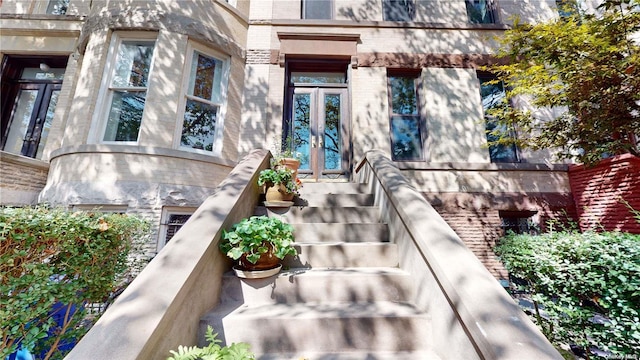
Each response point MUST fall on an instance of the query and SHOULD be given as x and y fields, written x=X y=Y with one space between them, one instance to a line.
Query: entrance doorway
x=317 y=125
x=30 y=90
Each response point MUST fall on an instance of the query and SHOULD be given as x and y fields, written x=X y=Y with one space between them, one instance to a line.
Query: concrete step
x=329 y=200
x=339 y=255
x=353 y=355
x=320 y=285
x=325 y=327
x=334 y=188
x=334 y=232
x=295 y=214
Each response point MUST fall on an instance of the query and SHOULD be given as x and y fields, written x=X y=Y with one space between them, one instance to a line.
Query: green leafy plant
x=250 y=237
x=213 y=351
x=279 y=176
x=52 y=258
x=585 y=286
x=586 y=64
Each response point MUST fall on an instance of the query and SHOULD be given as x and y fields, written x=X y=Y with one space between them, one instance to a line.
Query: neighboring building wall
x=603 y=194
x=21 y=179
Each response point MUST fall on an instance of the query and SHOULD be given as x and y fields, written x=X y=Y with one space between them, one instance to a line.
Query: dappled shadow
x=469 y=307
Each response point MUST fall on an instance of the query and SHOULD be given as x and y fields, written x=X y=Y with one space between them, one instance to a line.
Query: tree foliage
x=585 y=64
x=52 y=263
x=585 y=286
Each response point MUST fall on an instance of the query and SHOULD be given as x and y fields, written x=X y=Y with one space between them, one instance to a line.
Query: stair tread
x=353 y=355
x=313 y=310
x=344 y=271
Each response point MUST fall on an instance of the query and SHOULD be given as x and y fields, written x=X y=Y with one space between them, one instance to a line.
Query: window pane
x=398 y=10
x=501 y=152
x=318 y=78
x=199 y=125
x=405 y=138
x=205 y=77
x=301 y=128
x=403 y=95
x=132 y=64
x=479 y=11
x=125 y=116
x=317 y=9
x=332 y=141
x=493 y=95
x=57 y=7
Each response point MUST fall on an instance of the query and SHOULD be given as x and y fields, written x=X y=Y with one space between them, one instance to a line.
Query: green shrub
x=585 y=286
x=51 y=256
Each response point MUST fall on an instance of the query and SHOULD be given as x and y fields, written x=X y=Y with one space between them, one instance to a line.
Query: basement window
x=519 y=222
x=172 y=220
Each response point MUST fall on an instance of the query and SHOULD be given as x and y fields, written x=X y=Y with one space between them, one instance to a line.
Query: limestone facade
x=261 y=45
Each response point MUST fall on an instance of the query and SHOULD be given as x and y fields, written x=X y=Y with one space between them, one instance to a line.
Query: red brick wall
x=475 y=218
x=599 y=192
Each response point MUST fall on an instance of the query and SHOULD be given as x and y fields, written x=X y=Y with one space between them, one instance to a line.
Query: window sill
x=140 y=150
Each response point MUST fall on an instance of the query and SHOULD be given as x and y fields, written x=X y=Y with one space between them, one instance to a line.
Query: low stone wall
x=603 y=193
x=22 y=179
x=472 y=316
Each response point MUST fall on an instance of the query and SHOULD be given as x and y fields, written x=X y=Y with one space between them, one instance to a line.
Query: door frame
x=12 y=84
x=320 y=66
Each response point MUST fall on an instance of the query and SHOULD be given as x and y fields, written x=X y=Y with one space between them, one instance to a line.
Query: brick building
x=144 y=106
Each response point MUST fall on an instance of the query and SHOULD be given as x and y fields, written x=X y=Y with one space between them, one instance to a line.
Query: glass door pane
x=332 y=139
x=19 y=126
x=46 y=126
x=302 y=131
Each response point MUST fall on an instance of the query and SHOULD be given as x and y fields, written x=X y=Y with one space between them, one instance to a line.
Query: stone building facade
x=144 y=106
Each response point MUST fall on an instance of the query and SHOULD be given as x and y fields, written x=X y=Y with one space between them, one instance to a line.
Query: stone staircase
x=342 y=297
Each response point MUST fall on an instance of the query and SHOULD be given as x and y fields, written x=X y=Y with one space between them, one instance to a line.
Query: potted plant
x=258 y=243
x=281 y=184
x=286 y=158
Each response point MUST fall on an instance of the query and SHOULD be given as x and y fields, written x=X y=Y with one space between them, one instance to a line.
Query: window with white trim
x=203 y=105
x=126 y=90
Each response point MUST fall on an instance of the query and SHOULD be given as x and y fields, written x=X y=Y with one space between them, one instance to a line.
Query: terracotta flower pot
x=266 y=261
x=291 y=164
x=278 y=193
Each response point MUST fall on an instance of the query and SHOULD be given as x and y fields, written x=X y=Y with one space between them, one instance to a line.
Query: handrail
x=161 y=308
x=473 y=317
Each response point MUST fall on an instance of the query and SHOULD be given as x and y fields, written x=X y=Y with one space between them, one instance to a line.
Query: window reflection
x=203 y=103
x=406 y=134
x=332 y=141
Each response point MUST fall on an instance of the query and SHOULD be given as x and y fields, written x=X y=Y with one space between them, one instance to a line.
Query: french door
x=31 y=117
x=320 y=128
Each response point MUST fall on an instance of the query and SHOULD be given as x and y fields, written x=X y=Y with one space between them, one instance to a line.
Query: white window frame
x=192 y=48
x=164 y=218
x=105 y=95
